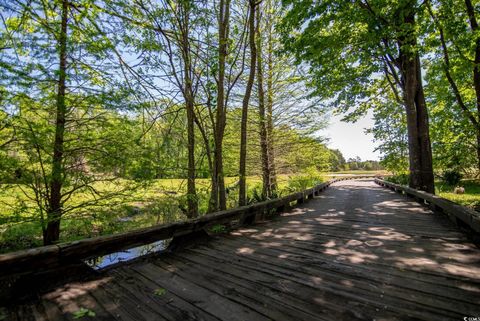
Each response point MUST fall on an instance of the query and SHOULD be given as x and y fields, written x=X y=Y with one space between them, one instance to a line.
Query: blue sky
x=351 y=139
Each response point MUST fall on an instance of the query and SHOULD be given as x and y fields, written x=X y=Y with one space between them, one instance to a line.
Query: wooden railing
x=460 y=215
x=52 y=256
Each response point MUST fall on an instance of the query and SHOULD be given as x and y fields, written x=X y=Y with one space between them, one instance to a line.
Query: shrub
x=401 y=179
x=452 y=177
x=302 y=182
x=255 y=194
x=218 y=228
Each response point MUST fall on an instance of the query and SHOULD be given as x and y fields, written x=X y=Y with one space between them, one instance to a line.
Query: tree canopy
x=101 y=99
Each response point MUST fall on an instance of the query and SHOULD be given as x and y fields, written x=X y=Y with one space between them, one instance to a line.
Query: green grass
x=157 y=202
x=471 y=198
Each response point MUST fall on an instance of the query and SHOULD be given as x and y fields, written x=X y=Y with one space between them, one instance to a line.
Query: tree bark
x=270 y=94
x=223 y=31
x=192 y=202
x=212 y=207
x=420 y=152
x=262 y=115
x=242 y=198
x=478 y=153
x=54 y=211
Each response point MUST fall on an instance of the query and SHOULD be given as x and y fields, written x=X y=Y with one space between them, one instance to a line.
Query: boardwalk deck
x=357 y=252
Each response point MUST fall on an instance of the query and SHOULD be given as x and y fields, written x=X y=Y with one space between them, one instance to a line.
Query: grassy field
x=471 y=198
x=156 y=202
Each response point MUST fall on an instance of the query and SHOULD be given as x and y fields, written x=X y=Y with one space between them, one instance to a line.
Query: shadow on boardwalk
x=357 y=252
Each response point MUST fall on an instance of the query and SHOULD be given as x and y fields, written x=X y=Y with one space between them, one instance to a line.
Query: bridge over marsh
x=355 y=251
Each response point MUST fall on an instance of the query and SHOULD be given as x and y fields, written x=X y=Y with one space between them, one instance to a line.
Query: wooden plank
x=65 y=301
x=124 y=304
x=290 y=251
x=373 y=276
x=169 y=305
x=292 y=294
x=52 y=310
x=318 y=233
x=218 y=304
x=278 y=293
x=374 y=292
x=466 y=215
x=49 y=257
x=253 y=300
x=38 y=311
x=312 y=265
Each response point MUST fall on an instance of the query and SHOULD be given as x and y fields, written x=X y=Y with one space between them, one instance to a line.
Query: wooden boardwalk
x=357 y=252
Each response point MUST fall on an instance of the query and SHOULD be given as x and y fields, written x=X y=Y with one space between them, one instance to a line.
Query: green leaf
x=160 y=292
x=218 y=228
x=83 y=312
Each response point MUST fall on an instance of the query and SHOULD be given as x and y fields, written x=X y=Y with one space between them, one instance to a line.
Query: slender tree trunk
x=223 y=31
x=192 y=210
x=262 y=115
x=213 y=203
x=208 y=151
x=270 y=141
x=478 y=138
x=242 y=199
x=54 y=212
x=420 y=153
x=192 y=202
x=478 y=153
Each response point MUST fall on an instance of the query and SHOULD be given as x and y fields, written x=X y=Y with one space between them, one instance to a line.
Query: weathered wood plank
x=357 y=252
x=169 y=305
x=252 y=300
x=53 y=256
x=202 y=297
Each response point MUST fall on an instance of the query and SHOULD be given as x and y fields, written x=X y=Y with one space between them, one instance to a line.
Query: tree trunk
x=270 y=141
x=212 y=205
x=192 y=210
x=478 y=153
x=54 y=211
x=223 y=25
x=242 y=197
x=262 y=115
x=192 y=202
x=420 y=153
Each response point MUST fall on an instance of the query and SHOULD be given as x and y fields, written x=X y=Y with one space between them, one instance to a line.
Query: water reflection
x=101 y=262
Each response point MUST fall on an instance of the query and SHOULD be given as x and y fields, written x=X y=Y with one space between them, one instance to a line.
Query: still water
x=104 y=261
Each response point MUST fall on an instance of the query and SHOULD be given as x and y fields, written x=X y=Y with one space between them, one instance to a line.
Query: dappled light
x=376 y=256
x=239 y=160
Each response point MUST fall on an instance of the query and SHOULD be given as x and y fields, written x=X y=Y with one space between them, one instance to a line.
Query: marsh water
x=104 y=261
